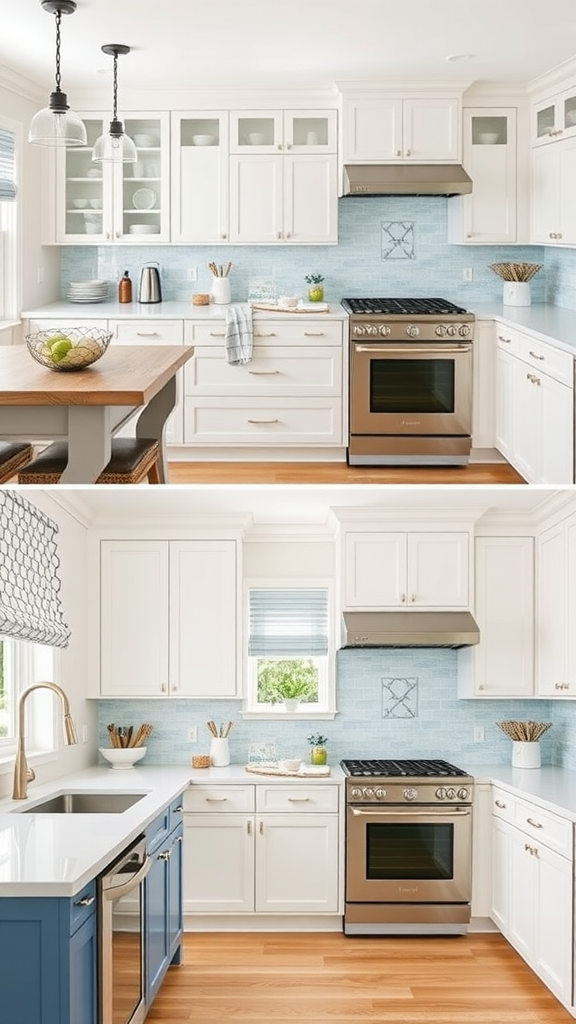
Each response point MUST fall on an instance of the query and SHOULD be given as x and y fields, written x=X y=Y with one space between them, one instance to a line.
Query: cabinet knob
x=279 y=235
x=249 y=827
x=398 y=152
x=288 y=145
x=408 y=152
x=402 y=598
x=412 y=598
x=279 y=145
x=178 y=810
x=261 y=828
x=223 y=235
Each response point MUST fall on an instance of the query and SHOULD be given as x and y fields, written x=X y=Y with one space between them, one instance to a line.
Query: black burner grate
x=402 y=307
x=401 y=769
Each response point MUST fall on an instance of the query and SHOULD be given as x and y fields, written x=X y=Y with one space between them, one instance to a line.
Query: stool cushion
x=13 y=455
x=130 y=460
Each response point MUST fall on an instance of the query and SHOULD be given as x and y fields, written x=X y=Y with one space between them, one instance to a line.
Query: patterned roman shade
x=30 y=606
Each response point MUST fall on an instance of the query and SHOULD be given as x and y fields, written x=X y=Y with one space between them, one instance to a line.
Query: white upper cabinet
x=406 y=570
x=488 y=215
x=389 y=128
x=199 y=168
x=554 y=118
x=268 y=131
x=553 y=207
x=104 y=202
x=555 y=611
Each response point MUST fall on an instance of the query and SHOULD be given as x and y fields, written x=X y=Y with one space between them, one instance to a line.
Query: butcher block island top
x=125 y=375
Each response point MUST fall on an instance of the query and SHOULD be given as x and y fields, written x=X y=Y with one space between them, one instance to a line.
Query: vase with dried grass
x=516 y=277
x=525 y=745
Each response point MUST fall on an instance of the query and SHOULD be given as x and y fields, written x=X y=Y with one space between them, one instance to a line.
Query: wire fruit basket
x=68 y=348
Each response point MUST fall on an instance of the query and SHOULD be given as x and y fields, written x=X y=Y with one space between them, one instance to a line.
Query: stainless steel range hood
x=409 y=629
x=406 y=180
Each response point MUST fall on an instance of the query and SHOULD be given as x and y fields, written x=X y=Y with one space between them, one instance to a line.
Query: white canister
x=517 y=293
x=219 y=752
x=221 y=290
x=525 y=755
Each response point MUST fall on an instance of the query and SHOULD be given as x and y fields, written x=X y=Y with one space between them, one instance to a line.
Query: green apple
x=60 y=349
x=54 y=339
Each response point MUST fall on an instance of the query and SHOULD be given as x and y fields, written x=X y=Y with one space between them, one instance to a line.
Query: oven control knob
x=368 y=793
x=440 y=331
x=371 y=329
x=356 y=794
x=380 y=794
x=412 y=331
x=410 y=793
x=452 y=331
x=359 y=329
x=450 y=793
x=464 y=331
x=440 y=793
x=384 y=330
x=463 y=794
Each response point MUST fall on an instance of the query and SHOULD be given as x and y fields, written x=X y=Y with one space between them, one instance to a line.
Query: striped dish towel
x=239 y=334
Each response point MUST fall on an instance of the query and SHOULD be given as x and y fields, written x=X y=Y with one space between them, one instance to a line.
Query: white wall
x=72 y=545
x=292 y=557
x=20 y=106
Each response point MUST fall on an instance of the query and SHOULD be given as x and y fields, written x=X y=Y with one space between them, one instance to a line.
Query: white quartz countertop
x=553 y=789
x=236 y=773
x=58 y=854
x=162 y=311
x=545 y=322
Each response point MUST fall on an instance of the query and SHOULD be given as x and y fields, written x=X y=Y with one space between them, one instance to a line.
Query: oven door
x=408 y=854
x=397 y=388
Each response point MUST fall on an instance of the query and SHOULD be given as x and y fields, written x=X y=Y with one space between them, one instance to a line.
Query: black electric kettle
x=150 y=289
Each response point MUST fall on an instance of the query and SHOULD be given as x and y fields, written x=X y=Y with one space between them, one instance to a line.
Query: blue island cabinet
x=48 y=959
x=163 y=897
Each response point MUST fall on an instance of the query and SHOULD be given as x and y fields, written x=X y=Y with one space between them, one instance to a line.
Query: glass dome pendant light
x=115 y=147
x=56 y=124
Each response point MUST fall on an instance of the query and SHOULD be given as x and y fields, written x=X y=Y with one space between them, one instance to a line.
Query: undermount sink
x=86 y=803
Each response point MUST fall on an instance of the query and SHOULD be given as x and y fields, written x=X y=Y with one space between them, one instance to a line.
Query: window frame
x=326 y=711
x=11 y=235
x=30 y=663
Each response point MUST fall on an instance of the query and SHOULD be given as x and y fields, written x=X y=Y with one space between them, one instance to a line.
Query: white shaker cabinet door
x=256 y=198
x=203 y=618
x=438 y=570
x=134 y=618
x=375 y=570
x=297 y=863
x=218 y=863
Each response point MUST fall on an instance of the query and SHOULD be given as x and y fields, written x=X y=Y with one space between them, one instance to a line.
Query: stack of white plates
x=88 y=291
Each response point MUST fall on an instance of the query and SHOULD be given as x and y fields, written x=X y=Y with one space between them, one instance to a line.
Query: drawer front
x=253 y=421
x=278 y=371
x=176 y=810
x=299 y=331
x=82 y=905
x=297 y=799
x=548 y=829
x=547 y=359
x=147 y=332
x=219 y=799
x=502 y=805
x=157 y=830
x=51 y=325
x=507 y=340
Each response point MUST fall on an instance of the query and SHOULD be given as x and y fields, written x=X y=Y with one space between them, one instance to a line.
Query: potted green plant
x=318 y=752
x=316 y=287
x=287 y=680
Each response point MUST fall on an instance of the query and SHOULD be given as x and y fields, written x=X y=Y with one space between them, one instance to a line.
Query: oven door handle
x=428 y=350
x=404 y=812
x=116 y=892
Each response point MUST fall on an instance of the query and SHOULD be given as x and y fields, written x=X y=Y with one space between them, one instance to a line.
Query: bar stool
x=13 y=455
x=133 y=459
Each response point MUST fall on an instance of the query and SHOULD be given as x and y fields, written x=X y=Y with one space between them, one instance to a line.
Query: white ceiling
x=185 y=44
x=290 y=504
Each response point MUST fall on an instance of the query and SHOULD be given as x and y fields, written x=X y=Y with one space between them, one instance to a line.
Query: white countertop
x=543 y=321
x=553 y=789
x=236 y=773
x=161 y=311
x=58 y=854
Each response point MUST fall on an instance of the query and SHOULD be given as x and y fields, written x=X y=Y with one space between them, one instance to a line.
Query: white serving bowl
x=290 y=764
x=80 y=204
x=145 y=140
x=96 y=204
x=144 y=229
x=203 y=140
x=256 y=138
x=488 y=138
x=122 y=757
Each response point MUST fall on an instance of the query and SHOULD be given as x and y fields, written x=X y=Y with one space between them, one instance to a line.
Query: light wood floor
x=337 y=473
x=283 y=978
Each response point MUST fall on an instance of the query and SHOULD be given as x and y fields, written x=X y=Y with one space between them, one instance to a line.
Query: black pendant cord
x=58 y=76
x=115 y=90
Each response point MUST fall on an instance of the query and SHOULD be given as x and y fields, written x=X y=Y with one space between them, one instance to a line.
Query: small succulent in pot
x=316 y=287
x=318 y=752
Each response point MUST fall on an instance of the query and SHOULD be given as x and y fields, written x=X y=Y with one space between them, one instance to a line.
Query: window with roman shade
x=288 y=623
x=7 y=166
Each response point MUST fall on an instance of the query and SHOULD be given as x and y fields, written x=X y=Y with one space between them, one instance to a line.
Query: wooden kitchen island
x=87 y=407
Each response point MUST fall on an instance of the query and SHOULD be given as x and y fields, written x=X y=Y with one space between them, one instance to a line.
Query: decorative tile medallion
x=397 y=240
x=400 y=697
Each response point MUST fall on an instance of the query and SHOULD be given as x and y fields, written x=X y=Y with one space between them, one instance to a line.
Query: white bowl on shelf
x=144 y=229
x=96 y=204
x=256 y=138
x=203 y=140
x=145 y=140
x=122 y=757
x=488 y=138
x=80 y=204
x=571 y=117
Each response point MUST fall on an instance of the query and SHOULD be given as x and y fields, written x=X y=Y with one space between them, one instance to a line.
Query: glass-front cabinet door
x=555 y=118
x=310 y=131
x=266 y=131
x=200 y=176
x=104 y=202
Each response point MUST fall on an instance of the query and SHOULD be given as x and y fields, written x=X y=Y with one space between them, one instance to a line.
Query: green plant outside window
x=287 y=679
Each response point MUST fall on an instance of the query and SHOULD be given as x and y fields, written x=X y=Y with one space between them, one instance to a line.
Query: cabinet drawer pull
x=533 y=379
x=507 y=341
x=263 y=373
x=165 y=855
x=313 y=334
x=561 y=686
x=179 y=839
x=86 y=902
x=261 y=828
x=259 y=334
x=535 y=355
x=264 y=421
x=215 y=799
x=249 y=827
x=147 y=334
x=500 y=804
x=535 y=824
x=217 y=334
x=298 y=799
x=178 y=810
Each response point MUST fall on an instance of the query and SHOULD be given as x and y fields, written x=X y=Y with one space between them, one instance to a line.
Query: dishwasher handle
x=110 y=889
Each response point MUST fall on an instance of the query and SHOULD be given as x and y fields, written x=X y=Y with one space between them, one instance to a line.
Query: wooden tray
x=273 y=307
x=306 y=771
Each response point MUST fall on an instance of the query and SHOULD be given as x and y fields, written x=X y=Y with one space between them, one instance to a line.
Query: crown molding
x=553 y=80
x=22 y=87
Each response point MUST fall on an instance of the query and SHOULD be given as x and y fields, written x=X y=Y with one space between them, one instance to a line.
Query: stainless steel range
x=410 y=382
x=408 y=847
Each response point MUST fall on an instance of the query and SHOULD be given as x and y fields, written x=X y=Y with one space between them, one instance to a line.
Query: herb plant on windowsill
x=287 y=680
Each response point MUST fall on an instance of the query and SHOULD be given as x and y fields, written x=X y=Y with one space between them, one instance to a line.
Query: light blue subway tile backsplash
x=360 y=265
x=442 y=726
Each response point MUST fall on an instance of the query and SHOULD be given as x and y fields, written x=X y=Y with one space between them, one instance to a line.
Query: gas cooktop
x=403 y=307
x=401 y=769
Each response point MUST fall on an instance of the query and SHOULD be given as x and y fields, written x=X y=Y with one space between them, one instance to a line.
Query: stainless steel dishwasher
x=121 y=937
